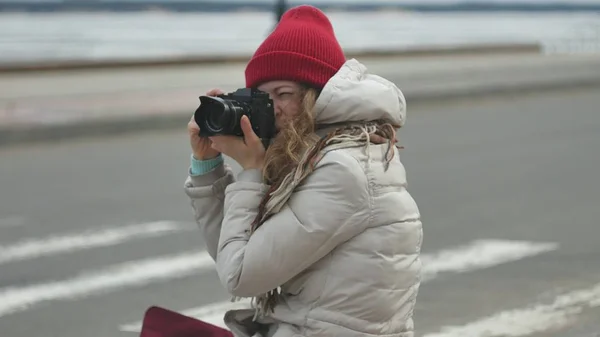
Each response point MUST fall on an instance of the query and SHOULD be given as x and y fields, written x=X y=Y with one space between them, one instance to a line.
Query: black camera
x=221 y=115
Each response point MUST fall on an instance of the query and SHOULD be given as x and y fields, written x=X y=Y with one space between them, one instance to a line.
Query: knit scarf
x=351 y=135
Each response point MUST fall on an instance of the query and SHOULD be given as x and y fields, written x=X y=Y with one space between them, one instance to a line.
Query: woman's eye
x=284 y=94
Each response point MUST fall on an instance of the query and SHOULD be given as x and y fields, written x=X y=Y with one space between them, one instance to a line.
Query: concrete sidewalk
x=57 y=105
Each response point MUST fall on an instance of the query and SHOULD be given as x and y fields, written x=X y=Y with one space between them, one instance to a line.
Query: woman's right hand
x=201 y=146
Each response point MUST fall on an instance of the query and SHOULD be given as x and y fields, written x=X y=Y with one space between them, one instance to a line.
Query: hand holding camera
x=248 y=150
x=201 y=146
x=240 y=124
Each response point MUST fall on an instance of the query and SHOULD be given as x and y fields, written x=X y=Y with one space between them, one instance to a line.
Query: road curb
x=484 y=90
x=422 y=51
x=178 y=120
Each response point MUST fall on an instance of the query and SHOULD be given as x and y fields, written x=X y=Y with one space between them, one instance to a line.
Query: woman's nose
x=278 y=108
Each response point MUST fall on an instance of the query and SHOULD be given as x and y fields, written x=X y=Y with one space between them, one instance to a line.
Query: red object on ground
x=161 y=322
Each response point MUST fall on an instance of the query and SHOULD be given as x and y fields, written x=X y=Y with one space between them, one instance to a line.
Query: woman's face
x=287 y=98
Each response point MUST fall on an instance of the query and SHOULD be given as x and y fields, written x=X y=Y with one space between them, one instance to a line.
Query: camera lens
x=217 y=115
x=215 y=119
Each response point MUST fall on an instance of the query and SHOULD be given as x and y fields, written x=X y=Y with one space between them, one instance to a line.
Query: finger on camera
x=216 y=143
x=222 y=143
x=249 y=134
x=215 y=92
x=193 y=127
x=215 y=146
x=192 y=123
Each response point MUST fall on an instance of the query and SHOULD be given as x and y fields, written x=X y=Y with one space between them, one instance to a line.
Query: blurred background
x=103 y=29
x=501 y=148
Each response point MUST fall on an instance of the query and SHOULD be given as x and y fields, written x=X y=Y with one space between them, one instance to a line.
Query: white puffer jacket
x=345 y=249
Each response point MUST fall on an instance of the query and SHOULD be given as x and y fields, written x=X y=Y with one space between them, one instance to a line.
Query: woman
x=319 y=229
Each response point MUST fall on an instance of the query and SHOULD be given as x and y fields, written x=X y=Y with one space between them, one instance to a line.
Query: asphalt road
x=509 y=190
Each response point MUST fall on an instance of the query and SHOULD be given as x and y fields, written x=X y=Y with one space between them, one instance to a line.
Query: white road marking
x=476 y=255
x=480 y=254
x=133 y=273
x=32 y=248
x=526 y=321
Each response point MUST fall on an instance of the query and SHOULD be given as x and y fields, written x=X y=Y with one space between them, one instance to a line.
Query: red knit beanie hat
x=302 y=48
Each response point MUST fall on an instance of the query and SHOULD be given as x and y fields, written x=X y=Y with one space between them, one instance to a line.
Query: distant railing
x=583 y=38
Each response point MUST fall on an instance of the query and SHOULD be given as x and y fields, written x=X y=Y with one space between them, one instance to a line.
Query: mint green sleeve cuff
x=200 y=167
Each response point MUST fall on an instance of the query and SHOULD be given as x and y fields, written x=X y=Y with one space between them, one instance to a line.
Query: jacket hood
x=354 y=95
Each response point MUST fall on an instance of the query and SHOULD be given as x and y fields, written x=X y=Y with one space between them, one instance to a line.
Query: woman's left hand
x=249 y=151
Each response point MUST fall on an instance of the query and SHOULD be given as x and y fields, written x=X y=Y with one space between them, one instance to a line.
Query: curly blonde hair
x=292 y=141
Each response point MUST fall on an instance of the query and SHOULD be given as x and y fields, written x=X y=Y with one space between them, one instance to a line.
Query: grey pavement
x=518 y=167
x=57 y=105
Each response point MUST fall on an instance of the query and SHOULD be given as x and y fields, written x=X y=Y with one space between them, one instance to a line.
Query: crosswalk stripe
x=526 y=321
x=133 y=273
x=481 y=254
x=32 y=248
x=476 y=255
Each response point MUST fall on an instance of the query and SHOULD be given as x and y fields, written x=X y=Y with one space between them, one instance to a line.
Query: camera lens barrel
x=216 y=115
x=221 y=115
